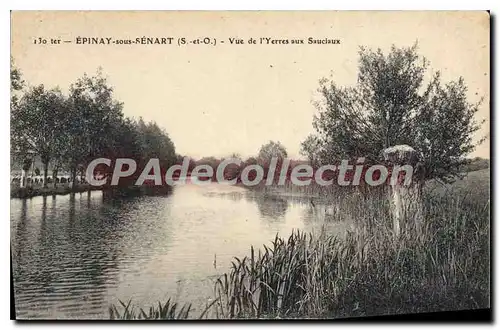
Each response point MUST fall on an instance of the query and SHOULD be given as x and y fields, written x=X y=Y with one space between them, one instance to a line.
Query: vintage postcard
x=249 y=165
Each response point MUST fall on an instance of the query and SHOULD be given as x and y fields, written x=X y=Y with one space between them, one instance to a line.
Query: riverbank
x=114 y=192
x=33 y=191
x=443 y=268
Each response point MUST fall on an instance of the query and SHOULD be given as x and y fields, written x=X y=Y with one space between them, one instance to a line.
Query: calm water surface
x=75 y=255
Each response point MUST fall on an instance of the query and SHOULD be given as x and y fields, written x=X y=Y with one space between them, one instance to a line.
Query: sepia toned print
x=249 y=165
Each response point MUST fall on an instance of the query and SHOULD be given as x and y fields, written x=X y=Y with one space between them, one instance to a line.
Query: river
x=74 y=255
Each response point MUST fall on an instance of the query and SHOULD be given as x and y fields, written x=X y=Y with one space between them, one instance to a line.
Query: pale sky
x=215 y=100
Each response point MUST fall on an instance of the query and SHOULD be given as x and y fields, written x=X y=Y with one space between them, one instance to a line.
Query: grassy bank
x=369 y=272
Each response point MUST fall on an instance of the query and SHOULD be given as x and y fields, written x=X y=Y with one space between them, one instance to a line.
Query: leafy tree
x=444 y=130
x=156 y=143
x=70 y=131
x=16 y=85
x=57 y=165
x=211 y=161
x=36 y=125
x=234 y=155
x=93 y=117
x=250 y=161
x=16 y=81
x=391 y=105
x=311 y=148
x=178 y=159
x=192 y=165
x=271 y=149
x=124 y=141
x=232 y=170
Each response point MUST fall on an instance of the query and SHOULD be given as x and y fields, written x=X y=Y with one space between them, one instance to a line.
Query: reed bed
x=167 y=311
x=369 y=271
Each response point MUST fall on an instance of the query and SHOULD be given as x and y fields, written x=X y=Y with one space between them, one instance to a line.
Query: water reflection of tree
x=271 y=207
x=20 y=237
x=68 y=254
x=139 y=227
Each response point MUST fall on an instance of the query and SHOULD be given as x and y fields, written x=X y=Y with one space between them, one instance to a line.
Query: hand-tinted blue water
x=75 y=255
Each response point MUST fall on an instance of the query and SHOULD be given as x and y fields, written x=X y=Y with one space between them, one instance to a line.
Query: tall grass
x=370 y=271
x=167 y=311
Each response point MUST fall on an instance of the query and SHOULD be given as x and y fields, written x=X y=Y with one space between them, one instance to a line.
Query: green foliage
x=391 y=105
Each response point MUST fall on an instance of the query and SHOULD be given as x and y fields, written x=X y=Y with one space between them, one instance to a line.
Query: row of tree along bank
x=65 y=132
